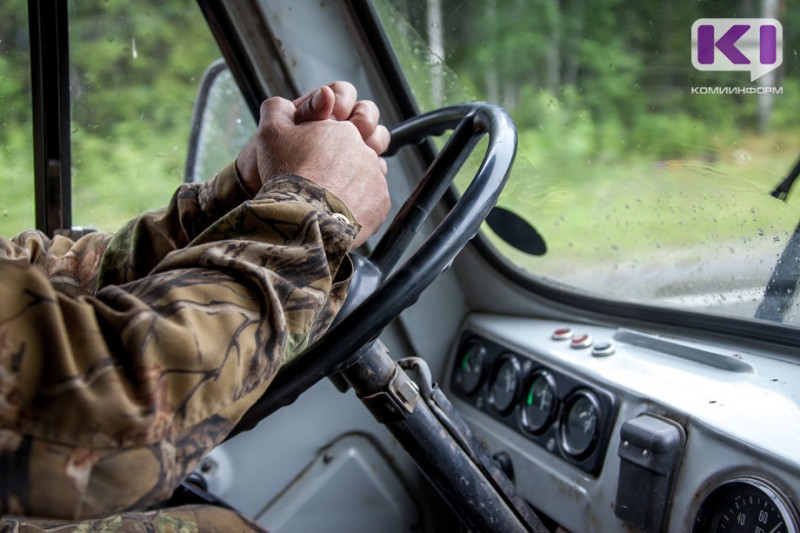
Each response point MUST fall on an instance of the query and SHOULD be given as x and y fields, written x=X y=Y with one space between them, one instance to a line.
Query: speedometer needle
x=774 y=529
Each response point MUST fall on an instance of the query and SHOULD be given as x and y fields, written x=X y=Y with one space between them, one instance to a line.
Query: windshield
x=647 y=156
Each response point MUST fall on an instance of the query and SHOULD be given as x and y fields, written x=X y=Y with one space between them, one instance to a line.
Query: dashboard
x=609 y=429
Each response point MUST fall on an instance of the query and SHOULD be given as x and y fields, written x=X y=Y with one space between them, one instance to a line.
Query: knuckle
x=270 y=107
x=379 y=140
x=372 y=108
x=368 y=111
x=269 y=104
x=342 y=87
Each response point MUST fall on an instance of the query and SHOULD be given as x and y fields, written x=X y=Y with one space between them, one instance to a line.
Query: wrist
x=246 y=165
x=249 y=185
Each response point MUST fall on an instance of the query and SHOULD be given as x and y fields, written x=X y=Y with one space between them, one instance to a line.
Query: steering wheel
x=379 y=291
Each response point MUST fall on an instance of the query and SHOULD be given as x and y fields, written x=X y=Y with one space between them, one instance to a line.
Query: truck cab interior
x=588 y=292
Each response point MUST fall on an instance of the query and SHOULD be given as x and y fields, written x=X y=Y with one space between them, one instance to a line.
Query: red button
x=581 y=341
x=562 y=334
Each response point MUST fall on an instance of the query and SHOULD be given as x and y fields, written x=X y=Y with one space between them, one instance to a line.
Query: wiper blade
x=785 y=280
x=782 y=286
x=783 y=189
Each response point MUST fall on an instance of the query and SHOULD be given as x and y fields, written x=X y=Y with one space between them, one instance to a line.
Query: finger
x=383 y=166
x=379 y=140
x=316 y=105
x=365 y=116
x=277 y=111
x=300 y=101
x=346 y=95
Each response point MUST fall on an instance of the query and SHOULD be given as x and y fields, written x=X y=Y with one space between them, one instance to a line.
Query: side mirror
x=221 y=124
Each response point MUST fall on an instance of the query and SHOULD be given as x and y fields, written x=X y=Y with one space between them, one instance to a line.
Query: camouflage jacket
x=124 y=358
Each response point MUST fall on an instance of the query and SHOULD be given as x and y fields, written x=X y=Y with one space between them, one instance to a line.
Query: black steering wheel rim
x=394 y=289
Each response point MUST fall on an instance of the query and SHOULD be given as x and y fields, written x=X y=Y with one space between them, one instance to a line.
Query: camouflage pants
x=185 y=519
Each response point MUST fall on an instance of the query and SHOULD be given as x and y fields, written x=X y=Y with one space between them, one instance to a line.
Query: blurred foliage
x=619 y=64
x=135 y=68
x=594 y=87
x=16 y=152
x=632 y=180
x=596 y=83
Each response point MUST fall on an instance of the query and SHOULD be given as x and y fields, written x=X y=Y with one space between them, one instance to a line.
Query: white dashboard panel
x=740 y=413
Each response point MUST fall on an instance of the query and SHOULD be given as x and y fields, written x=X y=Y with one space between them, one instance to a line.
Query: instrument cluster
x=559 y=412
x=691 y=454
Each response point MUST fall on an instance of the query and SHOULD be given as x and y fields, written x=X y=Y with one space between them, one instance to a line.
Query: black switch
x=650 y=450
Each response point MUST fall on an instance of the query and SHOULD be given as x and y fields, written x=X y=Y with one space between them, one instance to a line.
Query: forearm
x=121 y=393
x=100 y=259
x=144 y=241
x=72 y=267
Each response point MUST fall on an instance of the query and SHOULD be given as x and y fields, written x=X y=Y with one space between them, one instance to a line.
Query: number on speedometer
x=746 y=505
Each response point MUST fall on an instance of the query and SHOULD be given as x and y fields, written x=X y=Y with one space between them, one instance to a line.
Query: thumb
x=317 y=106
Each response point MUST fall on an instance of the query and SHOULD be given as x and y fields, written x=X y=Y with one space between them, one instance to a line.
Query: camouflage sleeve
x=146 y=240
x=108 y=398
x=183 y=519
x=75 y=268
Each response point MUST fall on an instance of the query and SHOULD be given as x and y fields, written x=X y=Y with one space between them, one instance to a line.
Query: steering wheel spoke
x=437 y=179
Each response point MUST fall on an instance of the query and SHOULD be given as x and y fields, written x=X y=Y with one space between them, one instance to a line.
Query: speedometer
x=747 y=505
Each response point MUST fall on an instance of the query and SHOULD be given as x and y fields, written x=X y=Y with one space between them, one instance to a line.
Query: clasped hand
x=329 y=137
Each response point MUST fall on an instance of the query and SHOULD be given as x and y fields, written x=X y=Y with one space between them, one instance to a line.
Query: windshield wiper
x=783 y=189
x=785 y=280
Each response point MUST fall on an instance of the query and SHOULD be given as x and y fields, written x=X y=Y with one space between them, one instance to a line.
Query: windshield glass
x=16 y=134
x=129 y=158
x=647 y=156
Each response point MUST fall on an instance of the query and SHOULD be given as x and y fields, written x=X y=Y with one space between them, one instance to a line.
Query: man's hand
x=338 y=101
x=332 y=153
x=330 y=138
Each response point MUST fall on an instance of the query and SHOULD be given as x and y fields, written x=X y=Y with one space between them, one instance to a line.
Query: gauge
x=747 y=505
x=580 y=424
x=539 y=402
x=471 y=364
x=505 y=383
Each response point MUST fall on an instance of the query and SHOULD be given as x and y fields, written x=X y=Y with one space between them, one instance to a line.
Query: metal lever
x=430 y=430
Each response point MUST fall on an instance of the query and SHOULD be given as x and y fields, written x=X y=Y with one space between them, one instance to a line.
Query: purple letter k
x=726 y=44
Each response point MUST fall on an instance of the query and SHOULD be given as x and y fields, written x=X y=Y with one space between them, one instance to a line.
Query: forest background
x=594 y=87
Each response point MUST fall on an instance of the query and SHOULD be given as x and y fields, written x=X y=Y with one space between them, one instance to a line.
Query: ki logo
x=754 y=45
